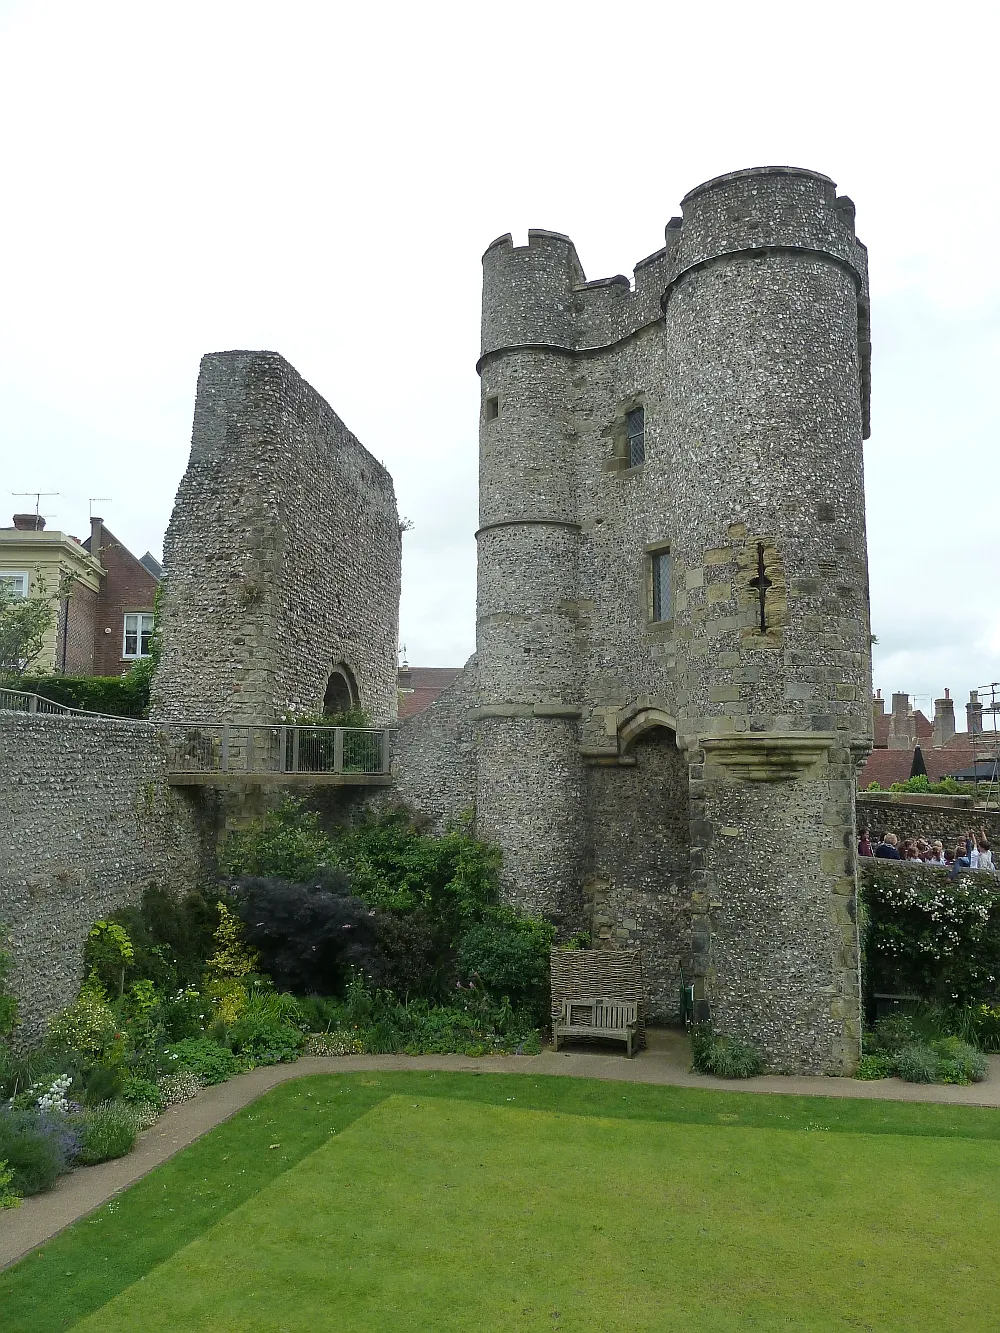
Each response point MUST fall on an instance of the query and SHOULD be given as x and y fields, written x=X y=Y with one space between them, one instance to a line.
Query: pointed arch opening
x=341 y=691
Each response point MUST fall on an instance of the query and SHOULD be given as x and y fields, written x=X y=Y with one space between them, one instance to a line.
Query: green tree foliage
x=120 y=696
x=24 y=624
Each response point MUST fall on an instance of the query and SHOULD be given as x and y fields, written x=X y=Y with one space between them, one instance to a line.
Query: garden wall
x=87 y=821
x=912 y=815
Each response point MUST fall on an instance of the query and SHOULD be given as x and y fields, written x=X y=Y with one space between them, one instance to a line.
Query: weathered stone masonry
x=87 y=821
x=282 y=558
x=683 y=783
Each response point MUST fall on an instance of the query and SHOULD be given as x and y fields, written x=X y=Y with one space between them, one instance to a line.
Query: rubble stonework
x=282 y=558
x=87 y=821
x=725 y=847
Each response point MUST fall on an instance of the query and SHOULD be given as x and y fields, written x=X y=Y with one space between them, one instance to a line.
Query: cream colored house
x=54 y=565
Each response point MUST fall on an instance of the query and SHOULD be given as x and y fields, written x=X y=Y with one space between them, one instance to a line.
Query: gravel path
x=666 y=1061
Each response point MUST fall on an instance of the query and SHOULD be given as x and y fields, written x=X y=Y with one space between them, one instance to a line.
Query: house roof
x=420 y=686
x=924 y=728
x=944 y=761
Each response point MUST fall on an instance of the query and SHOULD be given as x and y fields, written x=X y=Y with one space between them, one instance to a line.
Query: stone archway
x=637 y=723
x=341 y=691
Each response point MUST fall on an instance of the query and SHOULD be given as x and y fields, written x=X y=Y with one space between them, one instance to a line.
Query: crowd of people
x=973 y=853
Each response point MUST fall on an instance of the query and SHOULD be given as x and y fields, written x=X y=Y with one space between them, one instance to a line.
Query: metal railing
x=17 y=701
x=230 y=747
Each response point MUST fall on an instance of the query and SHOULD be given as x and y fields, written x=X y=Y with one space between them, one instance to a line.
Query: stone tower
x=672 y=680
x=282 y=558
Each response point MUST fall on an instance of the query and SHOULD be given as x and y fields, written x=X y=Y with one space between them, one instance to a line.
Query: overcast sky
x=321 y=179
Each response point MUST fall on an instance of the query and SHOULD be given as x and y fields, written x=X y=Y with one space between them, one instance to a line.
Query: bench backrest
x=600 y=1013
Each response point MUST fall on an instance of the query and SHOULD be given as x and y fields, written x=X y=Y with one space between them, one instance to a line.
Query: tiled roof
x=422 y=687
x=886 y=766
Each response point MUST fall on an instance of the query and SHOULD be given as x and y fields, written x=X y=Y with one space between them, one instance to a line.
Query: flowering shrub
x=88 y=1025
x=930 y=935
x=179 y=1087
x=202 y=1056
x=332 y=1043
x=54 y=1099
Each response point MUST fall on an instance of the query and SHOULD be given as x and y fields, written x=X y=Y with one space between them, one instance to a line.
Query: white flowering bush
x=179 y=1087
x=332 y=1043
x=54 y=1098
x=930 y=935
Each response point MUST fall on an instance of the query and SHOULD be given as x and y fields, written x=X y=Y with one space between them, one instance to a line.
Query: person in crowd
x=910 y=850
x=865 y=844
x=887 y=848
x=985 y=852
x=935 y=856
x=962 y=860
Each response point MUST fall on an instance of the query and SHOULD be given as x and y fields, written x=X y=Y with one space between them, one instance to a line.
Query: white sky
x=320 y=179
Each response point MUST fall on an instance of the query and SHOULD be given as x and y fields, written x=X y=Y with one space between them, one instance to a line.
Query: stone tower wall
x=282 y=556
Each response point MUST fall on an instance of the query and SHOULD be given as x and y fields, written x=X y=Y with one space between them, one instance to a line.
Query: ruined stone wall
x=87 y=821
x=282 y=558
x=434 y=761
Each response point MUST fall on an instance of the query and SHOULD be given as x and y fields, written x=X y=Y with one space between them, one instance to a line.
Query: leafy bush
x=8 y=1004
x=107 y=955
x=508 y=956
x=103 y=1082
x=171 y=937
x=184 y=1014
x=891 y=1035
x=958 y=1062
x=200 y=1055
x=332 y=1043
x=34 y=1157
x=413 y=955
x=875 y=1066
x=723 y=1056
x=137 y=1091
x=9 y=1197
x=309 y=936
x=930 y=935
x=917 y=1064
x=88 y=1025
x=286 y=844
x=268 y=1030
x=121 y=696
x=109 y=1130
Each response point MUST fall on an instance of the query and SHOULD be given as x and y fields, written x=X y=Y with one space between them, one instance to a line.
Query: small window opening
x=339 y=697
x=760 y=585
x=635 y=430
x=660 y=563
x=492 y=408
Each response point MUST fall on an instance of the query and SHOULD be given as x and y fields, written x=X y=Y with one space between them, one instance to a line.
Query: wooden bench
x=614 y=1020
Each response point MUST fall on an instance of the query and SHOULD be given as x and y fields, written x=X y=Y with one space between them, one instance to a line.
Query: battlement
x=538 y=295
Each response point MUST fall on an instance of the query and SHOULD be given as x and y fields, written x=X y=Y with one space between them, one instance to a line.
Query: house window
x=138 y=634
x=16 y=580
x=635 y=431
x=660 y=580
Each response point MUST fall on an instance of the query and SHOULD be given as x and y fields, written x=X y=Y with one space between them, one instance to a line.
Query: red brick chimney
x=29 y=522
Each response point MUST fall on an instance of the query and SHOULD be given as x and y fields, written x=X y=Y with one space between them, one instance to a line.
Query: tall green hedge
x=121 y=696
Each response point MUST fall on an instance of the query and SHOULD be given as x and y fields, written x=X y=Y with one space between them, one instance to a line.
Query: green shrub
x=103 y=1082
x=9 y=1197
x=200 y=1055
x=107 y=955
x=138 y=1091
x=121 y=696
x=890 y=1035
x=8 y=1004
x=508 y=956
x=723 y=1056
x=171 y=937
x=34 y=1158
x=286 y=843
x=875 y=1066
x=268 y=1031
x=917 y=1064
x=958 y=1062
x=930 y=935
x=88 y=1025
x=109 y=1130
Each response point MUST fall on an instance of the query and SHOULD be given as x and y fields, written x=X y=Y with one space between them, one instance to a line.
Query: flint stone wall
x=282 y=558
x=87 y=821
x=928 y=818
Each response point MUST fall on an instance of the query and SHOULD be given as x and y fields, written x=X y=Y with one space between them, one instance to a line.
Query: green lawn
x=486 y=1202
